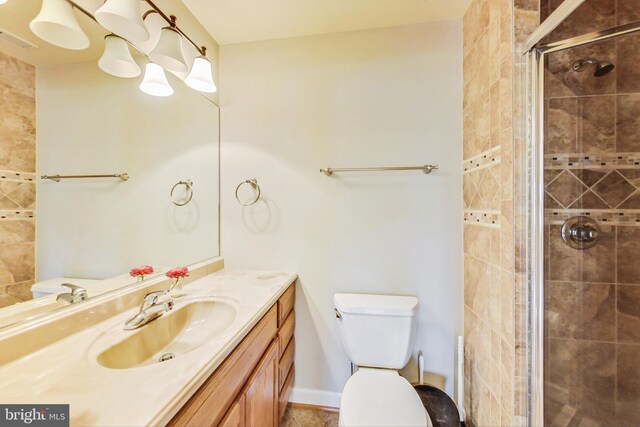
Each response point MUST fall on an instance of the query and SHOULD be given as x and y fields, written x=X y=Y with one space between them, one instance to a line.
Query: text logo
x=34 y=415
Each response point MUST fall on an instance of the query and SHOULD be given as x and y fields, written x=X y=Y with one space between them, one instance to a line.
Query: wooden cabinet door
x=261 y=396
x=235 y=416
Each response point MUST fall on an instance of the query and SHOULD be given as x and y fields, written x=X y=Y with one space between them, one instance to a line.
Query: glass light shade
x=200 y=78
x=122 y=17
x=57 y=24
x=3 y=1
x=154 y=24
x=168 y=51
x=116 y=59
x=155 y=81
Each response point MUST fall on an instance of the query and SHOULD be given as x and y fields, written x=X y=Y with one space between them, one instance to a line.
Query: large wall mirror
x=61 y=115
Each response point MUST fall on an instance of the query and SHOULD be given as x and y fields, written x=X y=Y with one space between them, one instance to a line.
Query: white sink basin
x=188 y=326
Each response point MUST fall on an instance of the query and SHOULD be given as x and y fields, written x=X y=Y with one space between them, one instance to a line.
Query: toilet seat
x=381 y=398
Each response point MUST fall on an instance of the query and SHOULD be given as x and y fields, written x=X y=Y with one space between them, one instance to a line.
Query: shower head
x=602 y=68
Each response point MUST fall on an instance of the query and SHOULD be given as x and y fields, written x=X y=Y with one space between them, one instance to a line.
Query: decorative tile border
x=605 y=216
x=17 y=176
x=17 y=214
x=486 y=159
x=592 y=161
x=486 y=218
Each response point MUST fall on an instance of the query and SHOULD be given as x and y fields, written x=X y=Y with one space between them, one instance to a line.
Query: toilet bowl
x=378 y=333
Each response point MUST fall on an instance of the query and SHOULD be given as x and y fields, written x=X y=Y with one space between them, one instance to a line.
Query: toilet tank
x=377 y=331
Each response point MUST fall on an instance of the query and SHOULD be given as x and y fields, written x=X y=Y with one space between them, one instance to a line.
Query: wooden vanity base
x=252 y=386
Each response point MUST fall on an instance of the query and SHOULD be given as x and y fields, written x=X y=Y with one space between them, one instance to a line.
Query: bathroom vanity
x=253 y=384
x=231 y=341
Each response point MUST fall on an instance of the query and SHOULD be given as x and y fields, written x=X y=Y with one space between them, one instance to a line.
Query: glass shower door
x=592 y=234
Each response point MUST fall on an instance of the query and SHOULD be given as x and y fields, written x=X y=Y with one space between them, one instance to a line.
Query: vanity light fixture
x=168 y=52
x=154 y=24
x=200 y=77
x=123 y=18
x=155 y=81
x=116 y=59
x=3 y=2
x=57 y=24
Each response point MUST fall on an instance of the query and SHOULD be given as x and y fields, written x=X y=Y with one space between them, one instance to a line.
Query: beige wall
x=17 y=187
x=365 y=98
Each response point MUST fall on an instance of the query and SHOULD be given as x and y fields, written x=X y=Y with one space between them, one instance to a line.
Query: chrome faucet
x=149 y=310
x=77 y=294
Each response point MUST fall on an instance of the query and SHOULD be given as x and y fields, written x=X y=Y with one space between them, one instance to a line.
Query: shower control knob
x=580 y=232
x=584 y=234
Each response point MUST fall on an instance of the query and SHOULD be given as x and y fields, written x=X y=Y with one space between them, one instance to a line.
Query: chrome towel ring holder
x=254 y=184
x=189 y=189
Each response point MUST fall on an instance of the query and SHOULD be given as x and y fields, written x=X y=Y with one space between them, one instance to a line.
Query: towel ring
x=189 y=188
x=253 y=183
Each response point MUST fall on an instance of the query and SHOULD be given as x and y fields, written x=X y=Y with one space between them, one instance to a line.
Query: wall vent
x=13 y=40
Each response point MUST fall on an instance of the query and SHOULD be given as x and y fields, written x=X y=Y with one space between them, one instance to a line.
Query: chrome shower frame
x=534 y=155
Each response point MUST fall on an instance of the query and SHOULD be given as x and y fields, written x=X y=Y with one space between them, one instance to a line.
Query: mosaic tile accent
x=483 y=160
x=9 y=215
x=605 y=216
x=592 y=161
x=488 y=218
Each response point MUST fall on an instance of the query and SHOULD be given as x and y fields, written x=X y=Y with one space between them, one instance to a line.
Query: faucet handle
x=77 y=292
x=72 y=288
x=151 y=298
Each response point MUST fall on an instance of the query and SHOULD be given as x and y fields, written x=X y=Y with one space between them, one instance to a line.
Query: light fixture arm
x=171 y=20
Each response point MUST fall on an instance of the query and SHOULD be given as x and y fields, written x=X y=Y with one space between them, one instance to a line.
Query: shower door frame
x=534 y=157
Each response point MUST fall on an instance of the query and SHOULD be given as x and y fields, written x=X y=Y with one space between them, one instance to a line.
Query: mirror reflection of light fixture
x=123 y=18
x=201 y=78
x=154 y=24
x=3 y=1
x=155 y=81
x=116 y=59
x=57 y=24
x=168 y=52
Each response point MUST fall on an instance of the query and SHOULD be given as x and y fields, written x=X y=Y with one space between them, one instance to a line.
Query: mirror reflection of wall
x=83 y=121
x=17 y=179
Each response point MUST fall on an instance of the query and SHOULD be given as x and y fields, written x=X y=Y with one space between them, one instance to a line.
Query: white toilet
x=378 y=333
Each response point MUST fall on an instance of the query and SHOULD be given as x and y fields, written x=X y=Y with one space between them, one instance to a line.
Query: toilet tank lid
x=54 y=286
x=389 y=305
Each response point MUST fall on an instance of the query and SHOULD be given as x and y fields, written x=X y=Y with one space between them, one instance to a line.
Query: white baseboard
x=315 y=397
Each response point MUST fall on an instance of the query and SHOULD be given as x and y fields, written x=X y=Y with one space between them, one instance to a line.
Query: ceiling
x=237 y=21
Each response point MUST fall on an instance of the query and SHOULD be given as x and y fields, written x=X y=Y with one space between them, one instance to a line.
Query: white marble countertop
x=67 y=371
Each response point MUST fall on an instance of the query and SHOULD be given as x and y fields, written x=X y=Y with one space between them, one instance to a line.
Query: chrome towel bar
x=57 y=178
x=426 y=169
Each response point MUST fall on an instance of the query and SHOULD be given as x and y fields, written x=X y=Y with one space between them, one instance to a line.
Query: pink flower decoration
x=178 y=272
x=141 y=271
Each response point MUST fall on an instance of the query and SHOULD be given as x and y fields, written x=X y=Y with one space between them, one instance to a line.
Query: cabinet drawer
x=285 y=304
x=286 y=333
x=286 y=361
x=210 y=403
x=283 y=398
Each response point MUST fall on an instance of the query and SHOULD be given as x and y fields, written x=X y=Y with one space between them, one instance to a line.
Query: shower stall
x=583 y=227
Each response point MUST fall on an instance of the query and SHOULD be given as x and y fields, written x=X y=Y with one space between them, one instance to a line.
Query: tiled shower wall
x=495 y=294
x=488 y=204
x=592 y=168
x=17 y=174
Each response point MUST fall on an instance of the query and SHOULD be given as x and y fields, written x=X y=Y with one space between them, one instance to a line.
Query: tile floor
x=307 y=417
